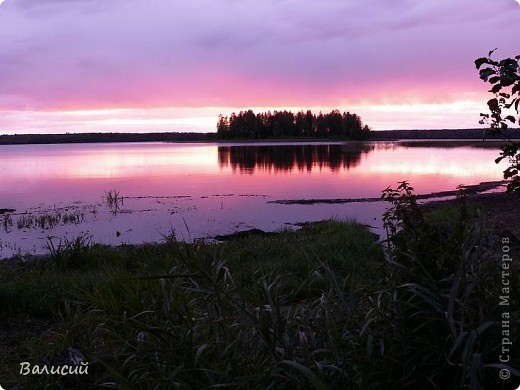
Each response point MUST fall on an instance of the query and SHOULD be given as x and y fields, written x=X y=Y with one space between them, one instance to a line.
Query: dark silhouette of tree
x=300 y=124
x=335 y=123
x=222 y=127
x=285 y=124
x=310 y=124
x=504 y=76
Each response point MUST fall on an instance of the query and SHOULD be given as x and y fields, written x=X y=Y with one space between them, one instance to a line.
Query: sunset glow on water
x=213 y=188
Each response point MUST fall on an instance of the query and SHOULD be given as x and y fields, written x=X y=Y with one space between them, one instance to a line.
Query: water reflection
x=286 y=158
x=203 y=190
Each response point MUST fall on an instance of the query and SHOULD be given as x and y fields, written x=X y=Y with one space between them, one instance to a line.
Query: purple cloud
x=59 y=54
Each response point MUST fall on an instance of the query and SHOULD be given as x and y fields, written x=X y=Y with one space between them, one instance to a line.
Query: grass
x=181 y=296
x=43 y=220
x=322 y=307
x=444 y=285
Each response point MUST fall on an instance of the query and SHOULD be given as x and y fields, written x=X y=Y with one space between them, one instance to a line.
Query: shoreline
x=183 y=137
x=501 y=210
x=468 y=190
x=472 y=192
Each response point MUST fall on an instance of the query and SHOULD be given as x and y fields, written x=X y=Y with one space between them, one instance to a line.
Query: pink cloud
x=88 y=54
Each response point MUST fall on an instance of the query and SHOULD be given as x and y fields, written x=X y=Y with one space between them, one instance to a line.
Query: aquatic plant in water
x=114 y=200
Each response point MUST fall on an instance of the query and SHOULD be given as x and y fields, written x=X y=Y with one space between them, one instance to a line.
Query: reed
x=114 y=200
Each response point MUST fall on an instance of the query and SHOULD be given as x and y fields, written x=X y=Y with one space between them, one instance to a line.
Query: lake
x=131 y=193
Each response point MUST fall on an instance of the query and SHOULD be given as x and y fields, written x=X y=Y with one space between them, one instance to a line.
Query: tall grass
x=438 y=311
x=202 y=315
x=320 y=308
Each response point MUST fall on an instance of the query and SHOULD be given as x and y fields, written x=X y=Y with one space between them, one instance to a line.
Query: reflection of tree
x=287 y=158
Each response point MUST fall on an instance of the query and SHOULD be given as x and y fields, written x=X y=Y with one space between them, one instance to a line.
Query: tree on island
x=504 y=76
x=285 y=124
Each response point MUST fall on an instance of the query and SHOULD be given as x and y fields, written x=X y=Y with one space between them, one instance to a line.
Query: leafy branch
x=504 y=108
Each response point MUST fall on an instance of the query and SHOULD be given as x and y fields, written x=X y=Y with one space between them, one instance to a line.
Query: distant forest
x=285 y=124
x=388 y=135
x=103 y=137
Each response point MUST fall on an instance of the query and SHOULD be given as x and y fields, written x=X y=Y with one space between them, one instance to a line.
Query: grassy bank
x=203 y=308
x=323 y=307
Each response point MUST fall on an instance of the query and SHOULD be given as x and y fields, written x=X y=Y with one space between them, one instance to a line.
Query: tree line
x=15 y=139
x=285 y=124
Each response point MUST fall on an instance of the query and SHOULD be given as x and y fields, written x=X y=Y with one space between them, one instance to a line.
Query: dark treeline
x=441 y=134
x=18 y=139
x=285 y=124
x=286 y=158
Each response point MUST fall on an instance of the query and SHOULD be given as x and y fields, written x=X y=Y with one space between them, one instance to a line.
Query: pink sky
x=165 y=65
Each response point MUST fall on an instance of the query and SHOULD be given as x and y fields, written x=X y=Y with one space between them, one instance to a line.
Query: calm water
x=201 y=190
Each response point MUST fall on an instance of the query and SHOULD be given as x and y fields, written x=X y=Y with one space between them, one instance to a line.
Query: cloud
x=112 y=53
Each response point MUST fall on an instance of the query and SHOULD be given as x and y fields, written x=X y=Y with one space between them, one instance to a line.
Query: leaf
x=496 y=88
x=370 y=345
x=480 y=61
x=510 y=173
x=508 y=64
x=510 y=149
x=199 y=352
x=486 y=73
x=366 y=325
x=316 y=382
x=510 y=118
x=493 y=104
x=75 y=356
x=491 y=52
x=506 y=80
x=476 y=364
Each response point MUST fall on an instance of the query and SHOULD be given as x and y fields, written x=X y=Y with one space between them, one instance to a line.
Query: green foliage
x=69 y=253
x=437 y=314
x=317 y=308
x=504 y=77
x=195 y=328
x=403 y=217
x=264 y=312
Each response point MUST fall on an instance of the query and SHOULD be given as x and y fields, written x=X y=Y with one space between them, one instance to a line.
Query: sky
x=168 y=65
